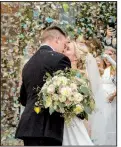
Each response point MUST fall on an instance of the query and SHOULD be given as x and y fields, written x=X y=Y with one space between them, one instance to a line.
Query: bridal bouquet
x=68 y=93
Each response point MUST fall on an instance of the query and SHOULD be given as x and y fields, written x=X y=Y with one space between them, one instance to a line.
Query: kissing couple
x=56 y=53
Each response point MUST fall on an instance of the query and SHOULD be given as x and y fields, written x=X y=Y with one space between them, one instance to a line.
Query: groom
x=42 y=129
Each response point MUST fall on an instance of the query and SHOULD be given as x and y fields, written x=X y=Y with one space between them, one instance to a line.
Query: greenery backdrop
x=21 y=25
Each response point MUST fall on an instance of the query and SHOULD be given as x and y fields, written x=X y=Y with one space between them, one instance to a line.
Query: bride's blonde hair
x=80 y=53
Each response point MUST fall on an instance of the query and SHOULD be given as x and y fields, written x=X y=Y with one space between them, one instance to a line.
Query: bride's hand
x=111 y=97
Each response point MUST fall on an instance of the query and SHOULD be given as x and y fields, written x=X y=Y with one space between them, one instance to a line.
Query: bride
x=103 y=120
x=76 y=133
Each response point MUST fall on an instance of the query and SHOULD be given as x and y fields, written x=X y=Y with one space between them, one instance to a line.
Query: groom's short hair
x=51 y=32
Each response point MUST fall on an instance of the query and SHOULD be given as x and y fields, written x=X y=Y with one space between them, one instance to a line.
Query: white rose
x=54 y=80
x=55 y=97
x=65 y=91
x=73 y=86
x=57 y=82
x=64 y=80
x=51 y=89
x=48 y=102
x=78 y=97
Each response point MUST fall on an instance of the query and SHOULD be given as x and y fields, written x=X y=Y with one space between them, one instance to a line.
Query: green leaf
x=51 y=110
x=86 y=116
x=88 y=110
x=65 y=7
x=30 y=14
x=84 y=90
x=48 y=75
x=61 y=105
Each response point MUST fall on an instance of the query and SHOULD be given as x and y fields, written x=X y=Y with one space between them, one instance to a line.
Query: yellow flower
x=37 y=109
x=78 y=109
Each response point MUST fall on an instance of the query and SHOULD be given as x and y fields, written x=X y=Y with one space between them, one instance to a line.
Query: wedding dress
x=110 y=110
x=103 y=119
x=75 y=133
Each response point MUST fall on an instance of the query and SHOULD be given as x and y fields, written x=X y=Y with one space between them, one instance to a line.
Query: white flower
x=55 y=97
x=68 y=103
x=60 y=80
x=54 y=78
x=78 y=97
x=73 y=86
x=62 y=99
x=65 y=91
x=62 y=110
x=48 y=102
x=55 y=105
x=63 y=80
x=56 y=82
x=51 y=89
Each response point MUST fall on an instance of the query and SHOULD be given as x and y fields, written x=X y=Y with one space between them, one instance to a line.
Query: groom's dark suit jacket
x=42 y=124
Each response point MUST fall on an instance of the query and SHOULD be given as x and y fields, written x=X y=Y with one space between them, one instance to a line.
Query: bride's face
x=70 y=52
x=110 y=53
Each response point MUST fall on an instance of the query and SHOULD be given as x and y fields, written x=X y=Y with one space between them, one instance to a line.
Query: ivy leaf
x=65 y=7
x=30 y=14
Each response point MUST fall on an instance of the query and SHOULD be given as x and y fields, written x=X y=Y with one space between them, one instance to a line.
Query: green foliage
x=21 y=33
x=84 y=90
x=65 y=7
